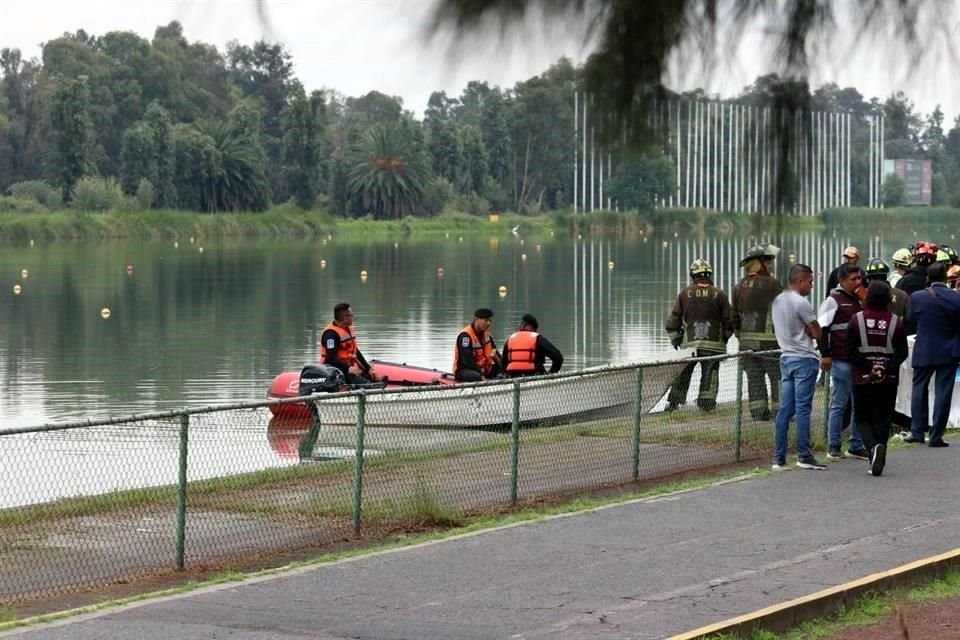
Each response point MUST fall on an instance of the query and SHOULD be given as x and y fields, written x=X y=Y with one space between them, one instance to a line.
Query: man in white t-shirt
x=796 y=327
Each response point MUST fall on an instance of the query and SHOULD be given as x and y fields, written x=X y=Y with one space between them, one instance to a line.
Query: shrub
x=98 y=194
x=19 y=204
x=39 y=191
x=470 y=203
x=144 y=194
x=893 y=190
x=438 y=193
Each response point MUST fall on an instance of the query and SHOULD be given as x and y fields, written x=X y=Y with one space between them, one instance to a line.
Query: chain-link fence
x=94 y=503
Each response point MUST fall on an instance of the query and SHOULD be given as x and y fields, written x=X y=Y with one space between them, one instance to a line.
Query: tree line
x=118 y=121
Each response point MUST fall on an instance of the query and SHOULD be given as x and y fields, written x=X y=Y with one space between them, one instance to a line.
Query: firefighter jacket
x=752 y=311
x=700 y=318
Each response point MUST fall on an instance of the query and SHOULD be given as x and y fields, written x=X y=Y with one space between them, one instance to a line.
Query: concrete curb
x=782 y=617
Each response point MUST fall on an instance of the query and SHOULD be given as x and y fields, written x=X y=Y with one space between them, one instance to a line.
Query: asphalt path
x=645 y=569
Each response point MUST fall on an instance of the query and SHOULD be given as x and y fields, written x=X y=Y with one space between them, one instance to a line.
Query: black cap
x=531 y=320
x=483 y=313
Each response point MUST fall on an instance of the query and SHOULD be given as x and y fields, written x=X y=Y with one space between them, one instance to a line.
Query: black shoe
x=938 y=444
x=811 y=463
x=913 y=440
x=878 y=458
x=760 y=415
x=859 y=454
x=835 y=453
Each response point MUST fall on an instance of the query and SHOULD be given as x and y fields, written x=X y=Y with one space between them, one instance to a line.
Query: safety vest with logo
x=521 y=350
x=347 y=351
x=848 y=304
x=482 y=351
x=874 y=332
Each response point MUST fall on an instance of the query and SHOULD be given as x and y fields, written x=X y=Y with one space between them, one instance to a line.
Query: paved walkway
x=647 y=569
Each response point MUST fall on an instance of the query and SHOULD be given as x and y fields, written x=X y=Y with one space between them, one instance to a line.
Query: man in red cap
x=851 y=255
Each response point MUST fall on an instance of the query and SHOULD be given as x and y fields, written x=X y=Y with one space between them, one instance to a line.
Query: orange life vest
x=482 y=351
x=347 y=352
x=521 y=351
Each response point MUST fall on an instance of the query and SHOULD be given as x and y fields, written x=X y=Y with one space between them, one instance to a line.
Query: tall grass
x=876 y=218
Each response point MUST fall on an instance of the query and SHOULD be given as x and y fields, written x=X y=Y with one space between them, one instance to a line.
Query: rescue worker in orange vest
x=475 y=356
x=526 y=351
x=338 y=347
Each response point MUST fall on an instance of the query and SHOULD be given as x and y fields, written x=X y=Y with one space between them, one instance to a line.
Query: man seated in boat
x=338 y=347
x=525 y=352
x=475 y=356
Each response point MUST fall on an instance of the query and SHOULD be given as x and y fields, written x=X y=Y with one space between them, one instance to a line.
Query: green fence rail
x=91 y=503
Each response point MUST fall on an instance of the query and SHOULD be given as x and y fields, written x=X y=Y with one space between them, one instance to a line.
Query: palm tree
x=236 y=180
x=388 y=171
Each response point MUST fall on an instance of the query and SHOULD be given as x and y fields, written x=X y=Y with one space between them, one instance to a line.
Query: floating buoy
x=523 y=257
x=324 y=242
x=439 y=272
x=176 y=245
x=329 y=236
x=644 y=238
x=460 y=239
x=31 y=243
x=579 y=236
x=675 y=234
x=24 y=274
x=610 y=265
x=16 y=289
x=792 y=257
x=446 y=235
x=105 y=313
x=665 y=244
x=191 y=239
x=323 y=264
x=129 y=268
x=551 y=234
x=363 y=274
x=538 y=247
x=200 y=249
x=396 y=245
x=502 y=291
x=521 y=242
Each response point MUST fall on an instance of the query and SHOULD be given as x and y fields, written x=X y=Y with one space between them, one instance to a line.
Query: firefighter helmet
x=902 y=258
x=877 y=268
x=925 y=253
x=701 y=269
x=761 y=251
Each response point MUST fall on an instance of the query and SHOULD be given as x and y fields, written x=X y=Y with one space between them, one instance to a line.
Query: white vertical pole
x=696 y=155
x=849 y=164
x=583 y=173
x=679 y=152
x=600 y=198
x=576 y=124
x=880 y=157
x=710 y=169
x=755 y=160
x=593 y=166
x=686 y=183
x=609 y=174
x=870 y=163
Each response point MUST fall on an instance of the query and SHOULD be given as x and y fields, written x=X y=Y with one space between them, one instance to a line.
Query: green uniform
x=752 y=317
x=700 y=319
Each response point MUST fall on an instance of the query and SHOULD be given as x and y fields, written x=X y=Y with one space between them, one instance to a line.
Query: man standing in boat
x=525 y=352
x=700 y=319
x=475 y=356
x=338 y=347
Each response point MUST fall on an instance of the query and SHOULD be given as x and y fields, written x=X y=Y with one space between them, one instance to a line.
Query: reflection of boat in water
x=285 y=433
x=587 y=394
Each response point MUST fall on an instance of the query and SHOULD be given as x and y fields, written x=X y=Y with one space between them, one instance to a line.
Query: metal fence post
x=358 y=462
x=826 y=409
x=637 y=414
x=515 y=444
x=738 y=421
x=182 y=491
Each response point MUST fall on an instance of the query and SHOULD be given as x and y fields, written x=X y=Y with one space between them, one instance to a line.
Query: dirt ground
x=935 y=620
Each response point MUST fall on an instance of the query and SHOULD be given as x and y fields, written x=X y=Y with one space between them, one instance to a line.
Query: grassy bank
x=864 y=217
x=288 y=221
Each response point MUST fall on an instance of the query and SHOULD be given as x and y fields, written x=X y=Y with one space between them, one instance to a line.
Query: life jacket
x=521 y=351
x=875 y=331
x=482 y=351
x=848 y=304
x=347 y=352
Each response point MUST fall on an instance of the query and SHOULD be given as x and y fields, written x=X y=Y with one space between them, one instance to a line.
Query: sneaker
x=939 y=443
x=878 y=458
x=913 y=440
x=811 y=463
x=859 y=454
x=779 y=464
x=835 y=453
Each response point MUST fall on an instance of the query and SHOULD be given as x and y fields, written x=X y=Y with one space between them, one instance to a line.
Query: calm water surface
x=192 y=328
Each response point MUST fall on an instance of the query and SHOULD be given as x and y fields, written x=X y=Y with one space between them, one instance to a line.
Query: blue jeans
x=841 y=378
x=798 y=377
x=943 y=396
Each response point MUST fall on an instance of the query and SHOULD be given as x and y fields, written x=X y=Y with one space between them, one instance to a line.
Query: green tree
x=894 y=190
x=21 y=143
x=302 y=134
x=389 y=172
x=642 y=178
x=137 y=157
x=72 y=133
x=158 y=120
x=475 y=159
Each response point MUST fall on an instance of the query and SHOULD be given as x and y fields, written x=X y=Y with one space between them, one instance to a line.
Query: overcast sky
x=355 y=46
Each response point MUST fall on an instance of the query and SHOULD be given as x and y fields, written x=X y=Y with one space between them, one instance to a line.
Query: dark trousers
x=759 y=369
x=873 y=406
x=468 y=375
x=942 y=397
x=709 y=383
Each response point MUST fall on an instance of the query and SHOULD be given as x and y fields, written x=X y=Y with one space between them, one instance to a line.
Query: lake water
x=193 y=328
